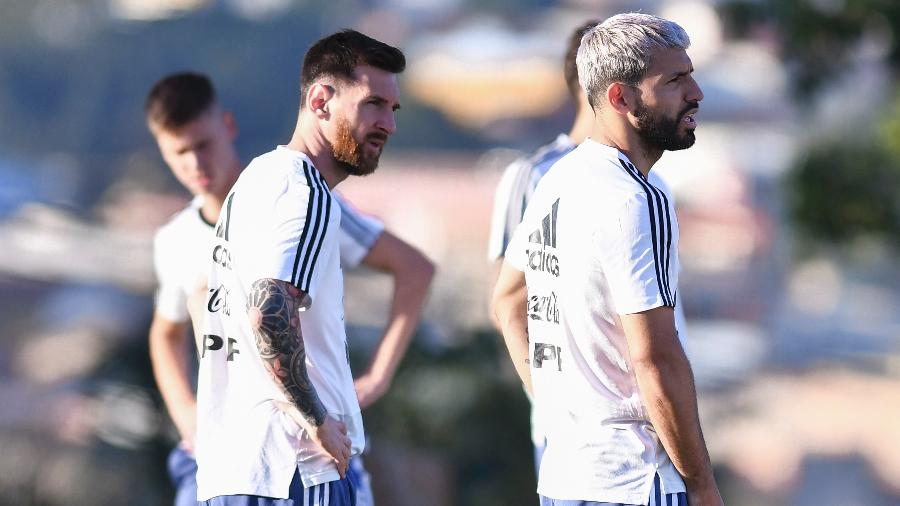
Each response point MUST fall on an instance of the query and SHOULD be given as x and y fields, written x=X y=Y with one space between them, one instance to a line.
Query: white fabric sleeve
x=358 y=234
x=171 y=300
x=507 y=208
x=516 y=253
x=302 y=211
x=633 y=255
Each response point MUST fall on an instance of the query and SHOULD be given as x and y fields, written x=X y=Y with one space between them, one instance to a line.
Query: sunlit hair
x=177 y=99
x=570 y=69
x=337 y=56
x=620 y=48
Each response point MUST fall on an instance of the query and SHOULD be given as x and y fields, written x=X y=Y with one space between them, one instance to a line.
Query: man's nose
x=388 y=123
x=695 y=94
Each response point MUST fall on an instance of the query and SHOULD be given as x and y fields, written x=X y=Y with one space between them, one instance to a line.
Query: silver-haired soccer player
x=588 y=287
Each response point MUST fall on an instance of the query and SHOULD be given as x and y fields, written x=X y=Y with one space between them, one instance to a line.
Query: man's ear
x=621 y=97
x=317 y=99
x=230 y=124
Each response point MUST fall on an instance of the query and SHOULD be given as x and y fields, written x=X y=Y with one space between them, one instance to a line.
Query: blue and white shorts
x=183 y=473
x=334 y=493
x=657 y=498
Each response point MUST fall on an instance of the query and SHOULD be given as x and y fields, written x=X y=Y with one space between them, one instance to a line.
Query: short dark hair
x=177 y=99
x=338 y=54
x=570 y=69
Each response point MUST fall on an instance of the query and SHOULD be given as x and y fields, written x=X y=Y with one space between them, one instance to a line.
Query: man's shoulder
x=602 y=184
x=552 y=151
x=543 y=157
x=607 y=168
x=279 y=166
x=184 y=222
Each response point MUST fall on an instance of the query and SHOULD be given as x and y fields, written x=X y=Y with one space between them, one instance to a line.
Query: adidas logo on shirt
x=540 y=259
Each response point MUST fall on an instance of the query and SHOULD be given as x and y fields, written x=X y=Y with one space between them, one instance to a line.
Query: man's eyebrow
x=381 y=100
x=682 y=73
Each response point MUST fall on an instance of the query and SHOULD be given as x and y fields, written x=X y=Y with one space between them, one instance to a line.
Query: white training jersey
x=511 y=198
x=597 y=241
x=280 y=221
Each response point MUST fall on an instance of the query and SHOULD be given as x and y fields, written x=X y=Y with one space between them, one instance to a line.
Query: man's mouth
x=688 y=117
x=376 y=141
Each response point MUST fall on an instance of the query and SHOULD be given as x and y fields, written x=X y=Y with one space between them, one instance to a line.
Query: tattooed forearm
x=273 y=307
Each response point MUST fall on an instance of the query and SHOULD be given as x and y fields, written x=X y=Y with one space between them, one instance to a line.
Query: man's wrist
x=317 y=418
x=703 y=482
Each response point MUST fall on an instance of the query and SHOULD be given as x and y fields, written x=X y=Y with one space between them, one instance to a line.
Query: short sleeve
x=171 y=300
x=508 y=206
x=358 y=234
x=302 y=219
x=635 y=251
x=516 y=253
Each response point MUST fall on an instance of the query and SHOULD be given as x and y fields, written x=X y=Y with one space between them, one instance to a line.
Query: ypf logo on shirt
x=541 y=260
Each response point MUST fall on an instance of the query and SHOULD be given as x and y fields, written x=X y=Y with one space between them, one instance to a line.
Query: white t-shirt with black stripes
x=280 y=221
x=596 y=241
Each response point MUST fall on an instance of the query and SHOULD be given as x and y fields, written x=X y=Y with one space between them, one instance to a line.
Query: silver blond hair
x=619 y=50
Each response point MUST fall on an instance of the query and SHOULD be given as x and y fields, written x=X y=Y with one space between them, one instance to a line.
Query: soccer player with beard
x=278 y=417
x=588 y=287
x=519 y=181
x=196 y=137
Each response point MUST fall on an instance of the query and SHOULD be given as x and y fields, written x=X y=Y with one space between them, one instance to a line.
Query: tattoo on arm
x=273 y=306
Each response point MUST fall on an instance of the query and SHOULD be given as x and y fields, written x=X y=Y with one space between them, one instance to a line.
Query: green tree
x=817 y=38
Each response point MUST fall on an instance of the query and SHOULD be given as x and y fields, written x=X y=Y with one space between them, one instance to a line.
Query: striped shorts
x=657 y=498
x=334 y=493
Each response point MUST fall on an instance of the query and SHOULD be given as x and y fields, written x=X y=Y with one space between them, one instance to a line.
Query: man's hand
x=185 y=420
x=331 y=436
x=708 y=496
x=666 y=383
x=169 y=356
x=370 y=388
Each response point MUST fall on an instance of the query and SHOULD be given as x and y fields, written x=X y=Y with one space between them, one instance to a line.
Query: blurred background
x=789 y=205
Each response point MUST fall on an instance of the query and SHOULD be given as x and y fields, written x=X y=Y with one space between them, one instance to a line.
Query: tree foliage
x=850 y=188
x=817 y=38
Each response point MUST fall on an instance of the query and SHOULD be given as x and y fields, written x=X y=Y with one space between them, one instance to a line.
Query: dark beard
x=660 y=132
x=349 y=154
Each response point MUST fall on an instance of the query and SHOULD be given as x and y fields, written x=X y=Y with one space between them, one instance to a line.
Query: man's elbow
x=499 y=307
x=417 y=269
x=426 y=269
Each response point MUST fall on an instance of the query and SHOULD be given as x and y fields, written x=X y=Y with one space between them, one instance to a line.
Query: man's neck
x=628 y=142
x=313 y=144
x=212 y=202
x=584 y=122
x=211 y=207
